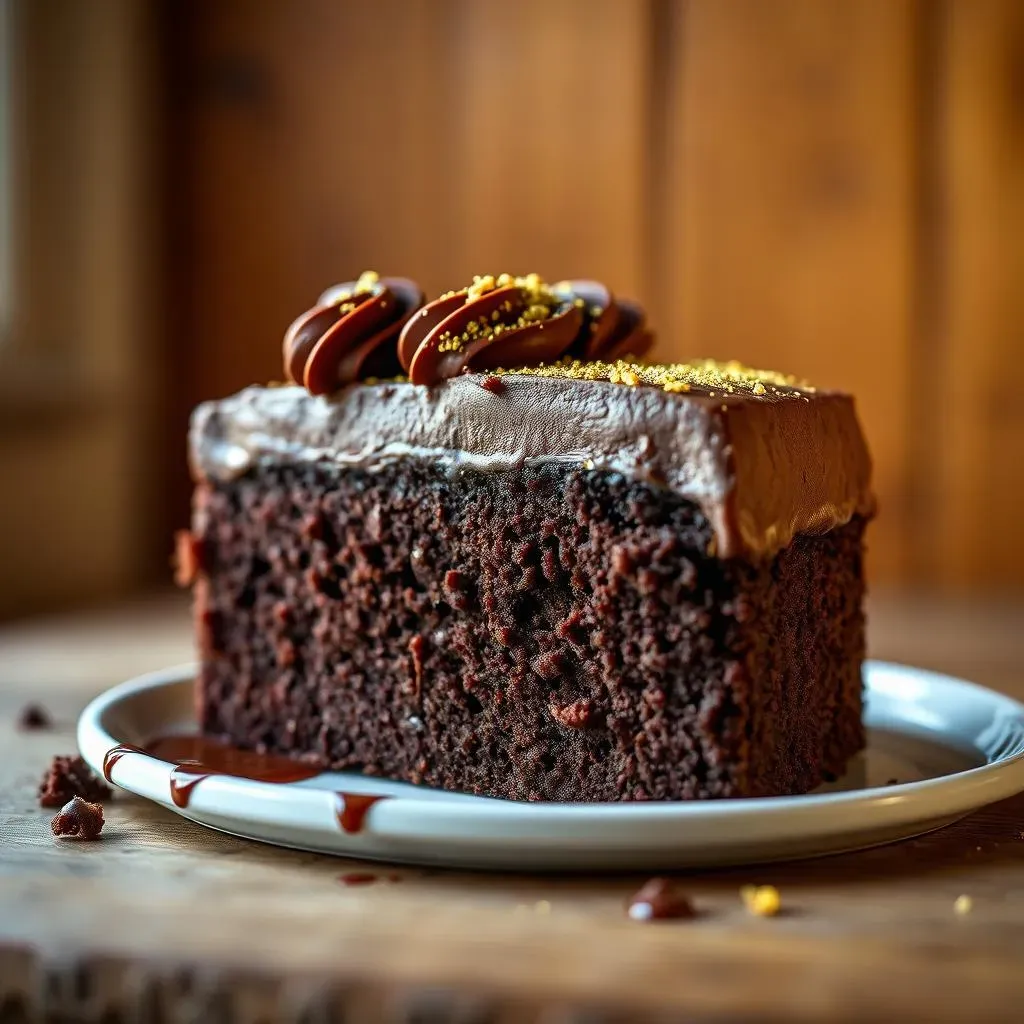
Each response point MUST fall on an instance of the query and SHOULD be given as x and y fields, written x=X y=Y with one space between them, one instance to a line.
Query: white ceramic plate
x=952 y=746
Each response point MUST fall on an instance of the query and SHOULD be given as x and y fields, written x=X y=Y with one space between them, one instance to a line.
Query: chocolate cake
x=584 y=578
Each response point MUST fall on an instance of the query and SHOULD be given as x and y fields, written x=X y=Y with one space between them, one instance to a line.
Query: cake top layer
x=764 y=457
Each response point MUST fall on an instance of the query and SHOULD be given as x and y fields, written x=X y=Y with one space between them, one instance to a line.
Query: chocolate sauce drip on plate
x=184 y=778
x=195 y=758
x=351 y=810
x=115 y=754
x=358 y=878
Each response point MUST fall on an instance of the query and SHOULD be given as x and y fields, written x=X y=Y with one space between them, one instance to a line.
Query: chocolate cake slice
x=585 y=579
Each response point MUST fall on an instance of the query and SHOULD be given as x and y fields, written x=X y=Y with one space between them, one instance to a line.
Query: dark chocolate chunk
x=660 y=900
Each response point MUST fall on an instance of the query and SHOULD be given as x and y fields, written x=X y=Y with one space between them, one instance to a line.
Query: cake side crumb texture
x=543 y=633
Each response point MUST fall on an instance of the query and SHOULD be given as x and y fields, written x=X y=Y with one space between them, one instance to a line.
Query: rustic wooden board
x=162 y=913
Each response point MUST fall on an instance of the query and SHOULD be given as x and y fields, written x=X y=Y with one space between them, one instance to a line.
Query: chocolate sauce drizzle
x=357 y=878
x=115 y=754
x=351 y=810
x=196 y=758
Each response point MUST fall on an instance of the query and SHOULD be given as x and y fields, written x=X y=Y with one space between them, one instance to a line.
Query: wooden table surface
x=162 y=919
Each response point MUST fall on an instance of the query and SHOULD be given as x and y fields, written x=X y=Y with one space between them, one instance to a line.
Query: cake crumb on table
x=660 y=900
x=962 y=905
x=69 y=777
x=78 y=819
x=761 y=900
x=34 y=717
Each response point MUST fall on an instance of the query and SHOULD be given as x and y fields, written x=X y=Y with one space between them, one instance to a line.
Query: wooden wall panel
x=789 y=227
x=979 y=404
x=319 y=145
x=553 y=139
x=467 y=140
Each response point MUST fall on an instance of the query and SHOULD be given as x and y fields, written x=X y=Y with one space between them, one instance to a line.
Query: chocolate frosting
x=513 y=321
x=763 y=465
x=350 y=333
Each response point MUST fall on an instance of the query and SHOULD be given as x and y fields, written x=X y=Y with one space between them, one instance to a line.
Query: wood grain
x=71 y=358
x=977 y=412
x=550 y=113
x=161 y=911
x=318 y=147
x=790 y=221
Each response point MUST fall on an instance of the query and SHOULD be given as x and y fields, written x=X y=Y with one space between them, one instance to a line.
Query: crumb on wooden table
x=69 y=777
x=33 y=717
x=78 y=819
x=659 y=900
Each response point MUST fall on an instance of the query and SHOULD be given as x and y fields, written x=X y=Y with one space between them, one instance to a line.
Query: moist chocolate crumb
x=33 y=717
x=548 y=633
x=68 y=777
x=660 y=900
x=78 y=819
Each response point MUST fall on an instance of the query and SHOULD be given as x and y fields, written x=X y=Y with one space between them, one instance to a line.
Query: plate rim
x=968 y=788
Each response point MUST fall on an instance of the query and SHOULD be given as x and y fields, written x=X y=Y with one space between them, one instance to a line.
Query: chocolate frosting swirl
x=519 y=321
x=350 y=333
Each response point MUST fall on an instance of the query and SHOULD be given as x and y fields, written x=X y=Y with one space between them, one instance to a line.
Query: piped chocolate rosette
x=505 y=322
x=351 y=333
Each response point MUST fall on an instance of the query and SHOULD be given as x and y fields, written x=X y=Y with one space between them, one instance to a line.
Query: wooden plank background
x=828 y=187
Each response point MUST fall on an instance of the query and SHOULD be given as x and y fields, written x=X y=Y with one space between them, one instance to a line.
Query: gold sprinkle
x=707 y=375
x=962 y=905
x=761 y=900
x=368 y=281
x=758 y=388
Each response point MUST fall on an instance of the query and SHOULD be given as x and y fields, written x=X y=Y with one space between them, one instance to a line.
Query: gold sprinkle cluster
x=368 y=282
x=540 y=300
x=705 y=376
